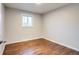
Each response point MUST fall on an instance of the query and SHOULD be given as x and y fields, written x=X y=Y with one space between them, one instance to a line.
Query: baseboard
x=22 y=40
x=63 y=44
x=46 y=39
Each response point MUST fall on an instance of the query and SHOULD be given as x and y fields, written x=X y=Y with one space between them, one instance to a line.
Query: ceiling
x=35 y=8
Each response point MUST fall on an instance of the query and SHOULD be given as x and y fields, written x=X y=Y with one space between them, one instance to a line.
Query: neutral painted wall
x=14 y=30
x=62 y=26
x=2 y=16
x=2 y=21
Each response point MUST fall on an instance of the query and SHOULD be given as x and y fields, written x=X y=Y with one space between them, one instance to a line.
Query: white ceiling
x=35 y=8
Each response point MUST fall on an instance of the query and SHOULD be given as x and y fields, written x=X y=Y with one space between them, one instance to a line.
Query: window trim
x=27 y=20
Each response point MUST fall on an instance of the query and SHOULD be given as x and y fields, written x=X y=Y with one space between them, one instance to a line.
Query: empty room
x=39 y=29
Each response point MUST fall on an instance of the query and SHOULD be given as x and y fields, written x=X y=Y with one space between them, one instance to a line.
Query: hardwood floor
x=38 y=47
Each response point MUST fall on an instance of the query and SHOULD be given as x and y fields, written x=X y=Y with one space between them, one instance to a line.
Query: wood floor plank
x=38 y=47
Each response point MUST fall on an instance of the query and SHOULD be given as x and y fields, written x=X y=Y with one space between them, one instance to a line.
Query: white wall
x=2 y=16
x=2 y=21
x=14 y=30
x=62 y=26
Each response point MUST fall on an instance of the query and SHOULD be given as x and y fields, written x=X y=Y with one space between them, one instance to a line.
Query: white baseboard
x=47 y=39
x=62 y=44
x=2 y=47
x=22 y=40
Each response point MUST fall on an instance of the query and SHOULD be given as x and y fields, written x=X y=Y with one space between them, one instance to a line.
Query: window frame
x=27 y=20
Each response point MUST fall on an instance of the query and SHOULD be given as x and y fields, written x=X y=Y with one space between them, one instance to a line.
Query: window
x=26 y=21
